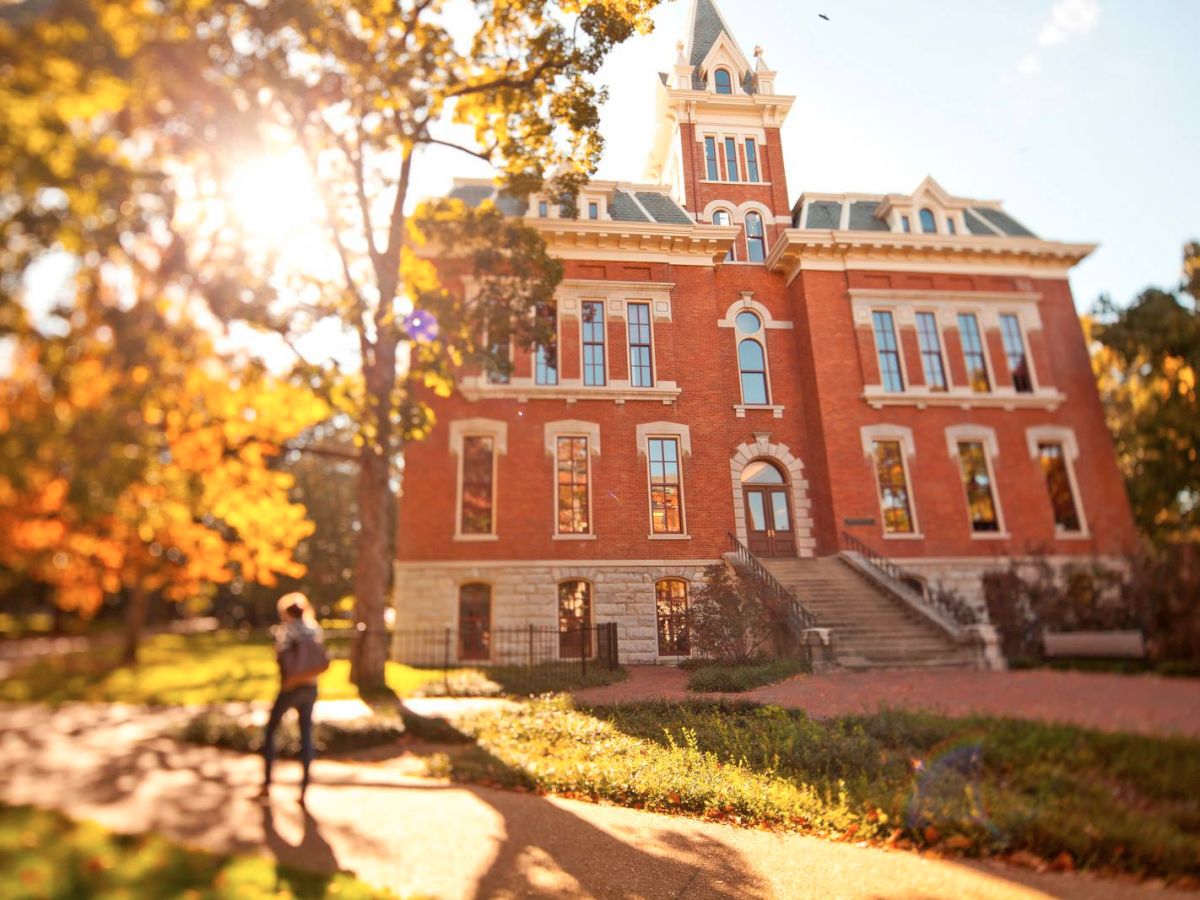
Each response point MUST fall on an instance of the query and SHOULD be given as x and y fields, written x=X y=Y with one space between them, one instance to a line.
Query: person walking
x=300 y=650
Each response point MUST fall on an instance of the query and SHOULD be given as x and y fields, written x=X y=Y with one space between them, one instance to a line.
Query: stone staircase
x=871 y=629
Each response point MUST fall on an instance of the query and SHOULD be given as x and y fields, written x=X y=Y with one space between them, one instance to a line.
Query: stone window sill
x=1009 y=400
x=990 y=536
x=473 y=538
x=903 y=536
x=740 y=409
x=1073 y=536
x=670 y=537
x=574 y=537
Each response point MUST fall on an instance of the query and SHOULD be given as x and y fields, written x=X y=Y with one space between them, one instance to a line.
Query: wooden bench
x=1094 y=644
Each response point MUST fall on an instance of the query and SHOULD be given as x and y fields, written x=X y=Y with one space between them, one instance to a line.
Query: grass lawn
x=707 y=676
x=224 y=667
x=975 y=786
x=44 y=854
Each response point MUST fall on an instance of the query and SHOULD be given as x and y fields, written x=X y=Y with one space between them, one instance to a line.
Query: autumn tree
x=1147 y=357
x=360 y=92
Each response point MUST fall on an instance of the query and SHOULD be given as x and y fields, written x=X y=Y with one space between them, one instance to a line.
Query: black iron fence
x=517 y=659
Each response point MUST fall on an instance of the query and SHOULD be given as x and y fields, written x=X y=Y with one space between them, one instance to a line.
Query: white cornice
x=796 y=249
x=696 y=245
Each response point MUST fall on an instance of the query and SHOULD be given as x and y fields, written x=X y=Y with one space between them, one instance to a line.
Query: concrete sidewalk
x=425 y=837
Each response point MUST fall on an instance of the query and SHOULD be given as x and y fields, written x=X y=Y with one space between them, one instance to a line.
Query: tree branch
x=485 y=155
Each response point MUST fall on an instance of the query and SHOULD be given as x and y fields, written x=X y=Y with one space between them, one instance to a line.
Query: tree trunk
x=375 y=552
x=135 y=620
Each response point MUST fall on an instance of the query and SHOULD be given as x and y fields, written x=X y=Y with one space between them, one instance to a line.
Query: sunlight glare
x=276 y=197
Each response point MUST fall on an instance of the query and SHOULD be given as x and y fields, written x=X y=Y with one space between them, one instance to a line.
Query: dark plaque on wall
x=850 y=520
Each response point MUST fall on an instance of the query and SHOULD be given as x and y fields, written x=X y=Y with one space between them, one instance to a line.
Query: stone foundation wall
x=426 y=596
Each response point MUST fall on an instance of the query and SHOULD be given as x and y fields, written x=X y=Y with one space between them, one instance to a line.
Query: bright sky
x=1078 y=114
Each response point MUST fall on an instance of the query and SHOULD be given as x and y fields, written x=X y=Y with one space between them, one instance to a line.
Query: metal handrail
x=944 y=602
x=779 y=595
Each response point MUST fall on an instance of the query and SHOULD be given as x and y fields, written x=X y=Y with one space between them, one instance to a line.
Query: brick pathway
x=1145 y=704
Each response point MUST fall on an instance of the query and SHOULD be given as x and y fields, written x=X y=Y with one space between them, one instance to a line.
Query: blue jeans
x=302 y=699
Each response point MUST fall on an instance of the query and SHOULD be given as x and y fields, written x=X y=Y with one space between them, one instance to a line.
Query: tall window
x=572 y=465
x=1014 y=351
x=593 y=343
x=574 y=619
x=543 y=208
x=977 y=480
x=972 y=344
x=723 y=82
x=752 y=362
x=497 y=363
x=710 y=158
x=950 y=227
x=751 y=159
x=888 y=351
x=474 y=621
x=756 y=245
x=1058 y=483
x=893 y=488
x=478 y=458
x=546 y=355
x=731 y=160
x=931 y=351
x=721 y=217
x=666 y=507
x=641 y=372
x=928 y=223
x=904 y=224
x=671 y=601
x=593 y=210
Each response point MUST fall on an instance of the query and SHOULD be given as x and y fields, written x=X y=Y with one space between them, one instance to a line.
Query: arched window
x=722 y=81
x=928 y=222
x=752 y=361
x=722 y=217
x=671 y=604
x=574 y=619
x=474 y=621
x=756 y=244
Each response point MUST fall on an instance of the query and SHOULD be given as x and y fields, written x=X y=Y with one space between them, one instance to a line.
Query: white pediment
x=725 y=53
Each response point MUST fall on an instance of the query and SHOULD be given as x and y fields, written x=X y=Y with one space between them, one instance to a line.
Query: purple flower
x=421 y=325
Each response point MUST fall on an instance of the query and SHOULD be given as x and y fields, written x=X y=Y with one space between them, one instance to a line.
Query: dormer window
x=928 y=222
x=904 y=224
x=723 y=82
x=543 y=209
x=593 y=210
x=950 y=226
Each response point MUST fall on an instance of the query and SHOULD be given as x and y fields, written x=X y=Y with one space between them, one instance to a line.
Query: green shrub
x=216 y=729
x=718 y=677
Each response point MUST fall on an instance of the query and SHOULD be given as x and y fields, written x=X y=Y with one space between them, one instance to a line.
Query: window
x=731 y=160
x=572 y=475
x=888 y=350
x=722 y=217
x=723 y=82
x=928 y=222
x=474 y=621
x=893 y=488
x=904 y=224
x=497 y=363
x=666 y=507
x=1058 y=483
x=972 y=345
x=752 y=361
x=931 y=351
x=671 y=602
x=977 y=480
x=710 y=157
x=546 y=355
x=950 y=227
x=543 y=208
x=593 y=343
x=574 y=619
x=756 y=245
x=1014 y=351
x=751 y=159
x=478 y=464
x=593 y=210
x=641 y=373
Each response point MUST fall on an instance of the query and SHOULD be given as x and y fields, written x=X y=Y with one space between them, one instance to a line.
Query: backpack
x=306 y=658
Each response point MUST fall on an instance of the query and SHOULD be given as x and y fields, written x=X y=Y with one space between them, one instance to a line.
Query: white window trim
x=558 y=375
x=746 y=237
x=682 y=434
x=1058 y=434
x=649 y=304
x=759 y=337
x=982 y=324
x=604 y=330
x=957 y=434
x=908 y=449
x=572 y=428
x=939 y=330
x=460 y=429
x=1035 y=384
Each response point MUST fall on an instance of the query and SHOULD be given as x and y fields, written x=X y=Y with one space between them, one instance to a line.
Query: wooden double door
x=769 y=527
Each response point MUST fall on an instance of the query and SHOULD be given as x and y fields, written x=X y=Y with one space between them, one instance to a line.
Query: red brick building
x=904 y=370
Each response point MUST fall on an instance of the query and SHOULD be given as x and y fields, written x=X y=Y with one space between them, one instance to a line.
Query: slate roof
x=623 y=208
x=1004 y=222
x=706 y=28
x=475 y=194
x=862 y=217
x=648 y=207
x=663 y=208
x=826 y=214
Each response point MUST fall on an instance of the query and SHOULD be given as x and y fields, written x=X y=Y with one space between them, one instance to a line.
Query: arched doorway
x=769 y=524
